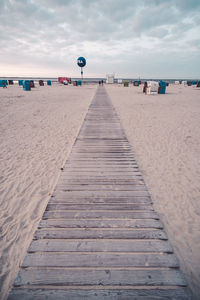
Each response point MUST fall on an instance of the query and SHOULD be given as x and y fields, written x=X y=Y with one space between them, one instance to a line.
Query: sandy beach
x=165 y=135
x=37 y=131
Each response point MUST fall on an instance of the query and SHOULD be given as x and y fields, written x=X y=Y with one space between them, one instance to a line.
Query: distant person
x=145 y=87
x=101 y=82
x=4 y=85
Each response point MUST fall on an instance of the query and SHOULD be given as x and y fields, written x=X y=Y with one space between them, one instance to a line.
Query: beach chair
x=41 y=82
x=136 y=83
x=126 y=83
x=152 y=87
x=26 y=85
x=20 y=82
x=162 y=87
x=32 y=84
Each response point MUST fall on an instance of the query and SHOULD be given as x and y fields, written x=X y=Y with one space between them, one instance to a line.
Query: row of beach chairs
x=28 y=84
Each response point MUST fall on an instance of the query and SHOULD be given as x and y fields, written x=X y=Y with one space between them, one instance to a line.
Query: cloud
x=112 y=34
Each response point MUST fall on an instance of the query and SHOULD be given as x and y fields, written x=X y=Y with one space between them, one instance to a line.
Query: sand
x=37 y=131
x=165 y=134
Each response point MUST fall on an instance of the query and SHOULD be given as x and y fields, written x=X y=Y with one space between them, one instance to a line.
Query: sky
x=128 y=38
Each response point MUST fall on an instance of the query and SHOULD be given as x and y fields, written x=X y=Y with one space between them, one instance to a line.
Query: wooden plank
x=100 y=259
x=100 y=215
x=108 y=174
x=81 y=146
x=96 y=293
x=92 y=187
x=89 y=159
x=80 y=182
x=109 y=150
x=106 y=142
x=92 y=200
x=114 y=166
x=100 y=157
x=108 y=171
x=95 y=223
x=82 y=143
x=54 y=206
x=102 y=194
x=110 y=163
x=100 y=233
x=99 y=181
x=111 y=155
x=85 y=149
x=120 y=160
x=102 y=245
x=104 y=277
x=102 y=136
x=84 y=146
x=107 y=168
x=98 y=176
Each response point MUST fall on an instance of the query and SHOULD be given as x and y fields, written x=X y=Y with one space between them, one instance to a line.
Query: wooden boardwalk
x=100 y=237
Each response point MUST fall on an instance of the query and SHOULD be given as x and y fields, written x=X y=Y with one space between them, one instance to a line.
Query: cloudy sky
x=146 y=38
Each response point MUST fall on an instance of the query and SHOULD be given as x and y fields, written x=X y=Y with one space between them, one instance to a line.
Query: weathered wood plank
x=98 y=294
x=98 y=176
x=107 y=171
x=93 y=187
x=108 y=156
x=104 y=277
x=82 y=179
x=101 y=233
x=108 y=167
x=86 y=150
x=102 y=245
x=102 y=194
x=100 y=259
x=101 y=148
x=103 y=161
x=88 y=223
x=137 y=206
x=90 y=200
x=99 y=142
x=100 y=215
x=79 y=158
x=119 y=159
x=99 y=172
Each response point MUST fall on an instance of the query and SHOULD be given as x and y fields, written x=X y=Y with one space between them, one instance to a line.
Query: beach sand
x=37 y=131
x=165 y=135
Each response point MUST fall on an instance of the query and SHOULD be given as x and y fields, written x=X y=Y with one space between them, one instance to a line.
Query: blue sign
x=81 y=62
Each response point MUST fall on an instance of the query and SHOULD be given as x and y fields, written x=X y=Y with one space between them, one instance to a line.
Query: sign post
x=81 y=62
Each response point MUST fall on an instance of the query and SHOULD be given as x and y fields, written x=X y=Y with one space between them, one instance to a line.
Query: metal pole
x=82 y=73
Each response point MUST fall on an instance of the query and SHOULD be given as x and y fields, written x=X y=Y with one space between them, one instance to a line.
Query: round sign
x=81 y=62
